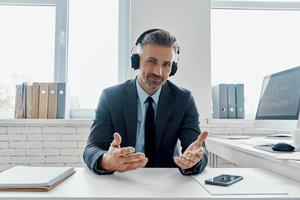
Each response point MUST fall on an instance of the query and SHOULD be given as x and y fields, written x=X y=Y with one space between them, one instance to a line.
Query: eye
x=151 y=61
x=167 y=64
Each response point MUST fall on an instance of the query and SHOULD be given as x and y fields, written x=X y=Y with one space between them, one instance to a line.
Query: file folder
x=220 y=104
x=18 y=101
x=240 y=105
x=43 y=100
x=231 y=101
x=32 y=105
x=61 y=100
x=52 y=100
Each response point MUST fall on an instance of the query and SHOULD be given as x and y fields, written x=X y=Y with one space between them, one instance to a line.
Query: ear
x=174 y=68
x=135 y=61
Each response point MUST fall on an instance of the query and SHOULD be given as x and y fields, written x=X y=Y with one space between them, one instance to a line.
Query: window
x=72 y=41
x=248 y=44
x=92 y=53
x=29 y=49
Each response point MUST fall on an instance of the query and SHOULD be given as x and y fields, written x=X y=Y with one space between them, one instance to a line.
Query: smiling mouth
x=154 y=78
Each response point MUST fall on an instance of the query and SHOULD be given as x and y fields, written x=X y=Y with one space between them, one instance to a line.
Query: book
x=26 y=178
x=52 y=100
x=43 y=100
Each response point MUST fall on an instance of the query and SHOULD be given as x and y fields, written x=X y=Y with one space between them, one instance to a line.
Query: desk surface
x=157 y=183
x=242 y=152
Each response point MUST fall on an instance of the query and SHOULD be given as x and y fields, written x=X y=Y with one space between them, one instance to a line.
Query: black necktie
x=150 y=134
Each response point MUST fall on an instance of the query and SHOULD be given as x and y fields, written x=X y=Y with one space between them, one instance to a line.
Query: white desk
x=157 y=183
x=245 y=155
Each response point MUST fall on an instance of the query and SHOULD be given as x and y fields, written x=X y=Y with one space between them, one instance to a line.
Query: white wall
x=189 y=21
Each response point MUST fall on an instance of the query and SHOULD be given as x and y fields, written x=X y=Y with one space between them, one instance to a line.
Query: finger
x=117 y=140
x=136 y=164
x=188 y=162
x=124 y=151
x=200 y=151
x=133 y=157
x=201 y=138
x=194 y=156
x=179 y=163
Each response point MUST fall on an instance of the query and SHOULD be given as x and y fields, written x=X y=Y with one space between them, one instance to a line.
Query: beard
x=153 y=81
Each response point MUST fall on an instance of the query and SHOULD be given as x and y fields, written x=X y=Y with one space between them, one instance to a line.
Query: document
x=234 y=137
x=32 y=178
x=250 y=185
x=290 y=156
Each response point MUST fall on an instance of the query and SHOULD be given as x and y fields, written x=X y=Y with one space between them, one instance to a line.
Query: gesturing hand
x=192 y=154
x=121 y=159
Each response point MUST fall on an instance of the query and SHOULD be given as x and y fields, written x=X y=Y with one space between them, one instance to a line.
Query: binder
x=29 y=101
x=23 y=100
x=61 y=100
x=220 y=104
x=35 y=100
x=43 y=100
x=32 y=100
x=231 y=101
x=240 y=105
x=52 y=100
x=18 y=102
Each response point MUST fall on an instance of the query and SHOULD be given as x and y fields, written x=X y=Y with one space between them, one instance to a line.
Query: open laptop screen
x=280 y=96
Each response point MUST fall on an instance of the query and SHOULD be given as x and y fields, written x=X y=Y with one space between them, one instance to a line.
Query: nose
x=157 y=70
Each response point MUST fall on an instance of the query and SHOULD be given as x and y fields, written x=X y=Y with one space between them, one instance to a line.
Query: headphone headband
x=142 y=36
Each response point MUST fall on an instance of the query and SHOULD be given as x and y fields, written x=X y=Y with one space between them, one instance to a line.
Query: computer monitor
x=279 y=102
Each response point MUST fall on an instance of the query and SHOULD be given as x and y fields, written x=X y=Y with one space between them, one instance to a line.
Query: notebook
x=26 y=178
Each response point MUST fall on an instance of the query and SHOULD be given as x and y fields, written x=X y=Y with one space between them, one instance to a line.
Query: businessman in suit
x=139 y=122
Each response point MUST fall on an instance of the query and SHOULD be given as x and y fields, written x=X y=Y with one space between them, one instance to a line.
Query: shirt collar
x=143 y=95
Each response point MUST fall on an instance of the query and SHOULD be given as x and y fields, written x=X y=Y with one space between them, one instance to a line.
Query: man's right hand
x=121 y=159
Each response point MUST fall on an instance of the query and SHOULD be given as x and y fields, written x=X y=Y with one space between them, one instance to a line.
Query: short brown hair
x=162 y=38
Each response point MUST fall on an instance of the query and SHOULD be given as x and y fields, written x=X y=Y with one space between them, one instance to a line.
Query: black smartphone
x=224 y=180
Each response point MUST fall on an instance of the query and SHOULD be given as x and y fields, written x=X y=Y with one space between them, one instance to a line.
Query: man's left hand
x=192 y=154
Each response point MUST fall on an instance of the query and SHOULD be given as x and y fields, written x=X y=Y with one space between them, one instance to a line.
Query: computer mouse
x=283 y=147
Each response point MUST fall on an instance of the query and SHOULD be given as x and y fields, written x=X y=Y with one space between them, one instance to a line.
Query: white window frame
x=61 y=30
x=255 y=5
x=287 y=5
x=124 y=52
x=62 y=38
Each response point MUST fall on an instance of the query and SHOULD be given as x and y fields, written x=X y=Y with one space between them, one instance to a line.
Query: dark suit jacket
x=176 y=118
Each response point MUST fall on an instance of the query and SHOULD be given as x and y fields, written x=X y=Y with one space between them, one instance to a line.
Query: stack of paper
x=33 y=178
x=290 y=156
x=235 y=137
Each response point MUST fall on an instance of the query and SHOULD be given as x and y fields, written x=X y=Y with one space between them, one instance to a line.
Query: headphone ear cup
x=135 y=61
x=174 y=69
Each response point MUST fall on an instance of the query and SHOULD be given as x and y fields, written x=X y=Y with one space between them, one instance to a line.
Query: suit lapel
x=163 y=111
x=130 y=112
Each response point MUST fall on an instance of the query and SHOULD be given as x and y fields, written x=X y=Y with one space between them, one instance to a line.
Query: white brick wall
x=42 y=142
x=61 y=142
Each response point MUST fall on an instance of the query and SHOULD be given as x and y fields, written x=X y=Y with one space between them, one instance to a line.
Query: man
x=139 y=122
